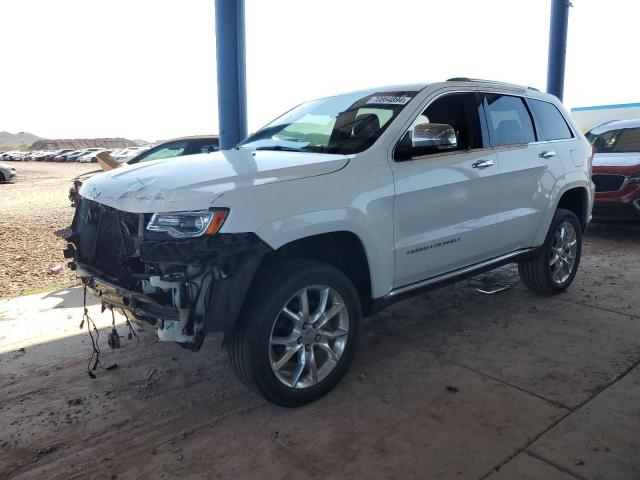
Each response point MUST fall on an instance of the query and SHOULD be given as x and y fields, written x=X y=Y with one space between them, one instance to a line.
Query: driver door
x=445 y=209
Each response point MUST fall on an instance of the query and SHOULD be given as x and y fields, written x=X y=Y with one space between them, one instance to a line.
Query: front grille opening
x=115 y=241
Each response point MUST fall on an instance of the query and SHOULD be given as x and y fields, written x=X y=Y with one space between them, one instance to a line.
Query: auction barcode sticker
x=389 y=100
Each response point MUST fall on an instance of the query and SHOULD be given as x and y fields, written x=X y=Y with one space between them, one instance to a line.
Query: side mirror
x=435 y=136
x=425 y=139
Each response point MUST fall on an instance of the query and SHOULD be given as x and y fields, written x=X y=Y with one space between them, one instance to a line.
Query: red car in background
x=616 y=171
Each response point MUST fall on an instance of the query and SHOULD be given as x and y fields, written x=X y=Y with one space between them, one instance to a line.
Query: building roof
x=606 y=107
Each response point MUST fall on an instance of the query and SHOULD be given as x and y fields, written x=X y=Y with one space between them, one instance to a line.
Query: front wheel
x=556 y=264
x=298 y=332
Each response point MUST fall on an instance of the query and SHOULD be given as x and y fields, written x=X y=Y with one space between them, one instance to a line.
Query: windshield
x=344 y=124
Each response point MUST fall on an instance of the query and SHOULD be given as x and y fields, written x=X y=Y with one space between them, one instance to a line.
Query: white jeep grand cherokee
x=333 y=211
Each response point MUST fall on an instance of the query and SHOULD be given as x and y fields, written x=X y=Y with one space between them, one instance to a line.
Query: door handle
x=547 y=154
x=483 y=164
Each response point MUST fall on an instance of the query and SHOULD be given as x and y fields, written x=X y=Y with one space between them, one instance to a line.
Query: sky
x=145 y=69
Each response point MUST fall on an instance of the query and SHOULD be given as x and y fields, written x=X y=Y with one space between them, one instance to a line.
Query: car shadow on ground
x=613 y=231
x=72 y=298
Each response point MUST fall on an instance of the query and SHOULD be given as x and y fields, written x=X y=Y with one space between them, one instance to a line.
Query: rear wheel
x=556 y=265
x=298 y=335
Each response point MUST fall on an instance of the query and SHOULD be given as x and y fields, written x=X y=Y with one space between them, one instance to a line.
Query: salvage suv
x=332 y=212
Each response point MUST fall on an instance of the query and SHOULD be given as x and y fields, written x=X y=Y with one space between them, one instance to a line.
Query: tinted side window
x=508 y=120
x=628 y=141
x=604 y=142
x=549 y=121
x=205 y=145
x=623 y=140
x=462 y=112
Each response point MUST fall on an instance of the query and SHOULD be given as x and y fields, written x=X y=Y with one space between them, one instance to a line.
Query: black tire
x=250 y=350
x=536 y=273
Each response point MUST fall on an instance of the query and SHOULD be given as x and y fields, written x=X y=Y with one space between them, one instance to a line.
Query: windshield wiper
x=281 y=148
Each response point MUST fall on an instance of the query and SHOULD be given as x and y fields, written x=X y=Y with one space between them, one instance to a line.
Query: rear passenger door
x=552 y=128
x=528 y=170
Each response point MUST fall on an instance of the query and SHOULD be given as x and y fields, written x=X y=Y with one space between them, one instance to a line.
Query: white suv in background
x=333 y=211
x=89 y=155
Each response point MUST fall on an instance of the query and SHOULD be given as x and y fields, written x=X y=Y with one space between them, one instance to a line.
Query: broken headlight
x=188 y=224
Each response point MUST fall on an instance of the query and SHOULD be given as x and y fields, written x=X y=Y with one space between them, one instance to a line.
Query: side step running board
x=456 y=273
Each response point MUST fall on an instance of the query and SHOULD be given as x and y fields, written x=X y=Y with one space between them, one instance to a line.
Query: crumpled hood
x=616 y=159
x=193 y=182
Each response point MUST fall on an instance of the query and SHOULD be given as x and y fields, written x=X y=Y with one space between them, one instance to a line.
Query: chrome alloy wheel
x=309 y=336
x=564 y=248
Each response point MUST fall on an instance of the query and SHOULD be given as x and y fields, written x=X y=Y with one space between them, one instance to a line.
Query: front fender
x=349 y=200
x=284 y=231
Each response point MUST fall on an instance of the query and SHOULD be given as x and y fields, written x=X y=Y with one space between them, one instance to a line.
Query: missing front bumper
x=223 y=280
x=143 y=307
x=185 y=287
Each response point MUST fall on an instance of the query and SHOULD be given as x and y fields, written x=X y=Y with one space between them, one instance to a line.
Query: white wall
x=590 y=117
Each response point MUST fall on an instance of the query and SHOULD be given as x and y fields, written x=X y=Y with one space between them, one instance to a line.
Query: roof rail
x=494 y=82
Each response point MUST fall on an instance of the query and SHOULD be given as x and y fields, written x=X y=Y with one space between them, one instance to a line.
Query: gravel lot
x=34 y=213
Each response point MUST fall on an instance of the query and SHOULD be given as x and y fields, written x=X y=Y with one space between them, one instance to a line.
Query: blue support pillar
x=557 y=46
x=230 y=57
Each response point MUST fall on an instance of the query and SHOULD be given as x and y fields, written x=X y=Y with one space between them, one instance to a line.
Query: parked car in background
x=173 y=148
x=73 y=156
x=41 y=156
x=126 y=154
x=89 y=155
x=116 y=152
x=16 y=156
x=84 y=158
x=332 y=212
x=54 y=154
x=62 y=157
x=7 y=173
x=616 y=171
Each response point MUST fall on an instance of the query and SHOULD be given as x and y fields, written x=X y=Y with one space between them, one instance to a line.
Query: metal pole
x=230 y=57
x=557 y=46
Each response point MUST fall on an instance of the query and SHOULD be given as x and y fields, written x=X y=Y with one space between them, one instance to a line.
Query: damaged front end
x=185 y=287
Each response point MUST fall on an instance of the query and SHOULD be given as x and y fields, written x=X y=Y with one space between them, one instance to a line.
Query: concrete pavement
x=453 y=384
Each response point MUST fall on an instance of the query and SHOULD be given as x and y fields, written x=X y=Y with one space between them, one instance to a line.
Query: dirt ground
x=34 y=213
x=453 y=384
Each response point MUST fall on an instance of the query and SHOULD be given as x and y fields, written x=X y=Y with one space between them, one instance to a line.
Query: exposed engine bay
x=184 y=287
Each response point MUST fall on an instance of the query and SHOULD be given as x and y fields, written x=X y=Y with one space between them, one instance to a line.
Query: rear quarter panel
x=576 y=157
